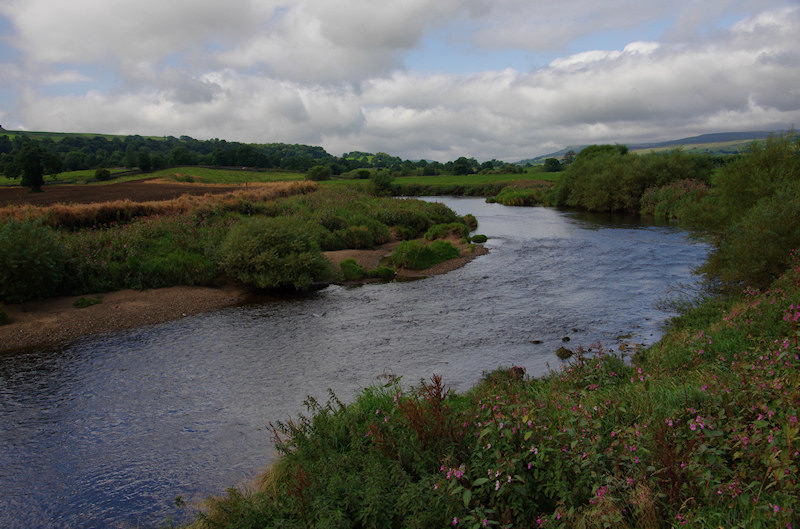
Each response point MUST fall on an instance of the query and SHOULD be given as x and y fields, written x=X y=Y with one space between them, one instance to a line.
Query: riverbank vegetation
x=267 y=236
x=699 y=430
x=702 y=431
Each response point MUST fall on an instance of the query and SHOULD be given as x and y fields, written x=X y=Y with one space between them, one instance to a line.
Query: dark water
x=109 y=431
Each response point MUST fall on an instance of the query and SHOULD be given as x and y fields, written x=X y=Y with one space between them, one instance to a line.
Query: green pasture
x=475 y=179
x=207 y=175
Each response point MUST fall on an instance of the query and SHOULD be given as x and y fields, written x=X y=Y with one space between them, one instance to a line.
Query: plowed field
x=136 y=191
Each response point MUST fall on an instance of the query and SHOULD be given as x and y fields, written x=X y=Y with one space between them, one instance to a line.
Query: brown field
x=135 y=191
x=75 y=206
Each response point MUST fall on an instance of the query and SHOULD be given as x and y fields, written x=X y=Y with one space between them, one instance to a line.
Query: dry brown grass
x=73 y=216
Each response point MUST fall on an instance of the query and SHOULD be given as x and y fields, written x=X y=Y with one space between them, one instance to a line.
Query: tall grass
x=74 y=216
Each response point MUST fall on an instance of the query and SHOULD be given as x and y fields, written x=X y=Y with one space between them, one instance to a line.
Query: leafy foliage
x=417 y=255
x=273 y=253
x=607 y=178
x=351 y=270
x=750 y=214
x=31 y=261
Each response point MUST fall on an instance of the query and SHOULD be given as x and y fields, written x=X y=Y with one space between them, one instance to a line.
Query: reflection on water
x=109 y=431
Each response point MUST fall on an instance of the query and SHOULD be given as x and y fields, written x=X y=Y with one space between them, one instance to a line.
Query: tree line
x=82 y=152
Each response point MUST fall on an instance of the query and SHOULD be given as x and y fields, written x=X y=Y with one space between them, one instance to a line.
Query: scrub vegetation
x=699 y=430
x=267 y=236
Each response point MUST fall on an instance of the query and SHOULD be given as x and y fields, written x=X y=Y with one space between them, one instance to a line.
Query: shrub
x=102 y=174
x=366 y=235
x=318 y=173
x=351 y=270
x=479 y=238
x=672 y=200
x=442 y=231
x=382 y=272
x=381 y=183
x=31 y=261
x=756 y=248
x=273 y=253
x=416 y=255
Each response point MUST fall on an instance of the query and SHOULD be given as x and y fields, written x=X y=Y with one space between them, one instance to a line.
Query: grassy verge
x=700 y=430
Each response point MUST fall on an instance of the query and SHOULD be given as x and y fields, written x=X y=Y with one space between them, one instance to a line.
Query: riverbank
x=55 y=321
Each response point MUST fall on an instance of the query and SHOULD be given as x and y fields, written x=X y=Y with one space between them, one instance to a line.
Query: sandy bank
x=56 y=321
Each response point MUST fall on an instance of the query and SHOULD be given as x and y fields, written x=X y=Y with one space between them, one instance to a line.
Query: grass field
x=201 y=175
x=717 y=148
x=475 y=179
x=206 y=175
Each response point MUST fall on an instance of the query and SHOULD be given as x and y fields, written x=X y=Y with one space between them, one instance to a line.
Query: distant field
x=475 y=179
x=716 y=148
x=179 y=174
x=224 y=176
x=58 y=136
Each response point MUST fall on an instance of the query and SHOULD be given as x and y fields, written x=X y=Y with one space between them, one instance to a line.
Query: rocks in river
x=563 y=353
x=536 y=341
x=565 y=339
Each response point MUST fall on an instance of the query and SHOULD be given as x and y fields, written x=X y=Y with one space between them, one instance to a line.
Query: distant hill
x=718 y=143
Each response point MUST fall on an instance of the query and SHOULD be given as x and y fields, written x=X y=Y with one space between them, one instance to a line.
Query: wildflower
x=455 y=520
x=497 y=485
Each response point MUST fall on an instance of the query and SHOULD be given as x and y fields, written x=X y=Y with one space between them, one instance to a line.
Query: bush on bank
x=31 y=261
x=274 y=252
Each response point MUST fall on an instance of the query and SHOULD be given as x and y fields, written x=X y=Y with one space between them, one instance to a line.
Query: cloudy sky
x=435 y=79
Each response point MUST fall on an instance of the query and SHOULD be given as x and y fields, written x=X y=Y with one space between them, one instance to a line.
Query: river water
x=109 y=431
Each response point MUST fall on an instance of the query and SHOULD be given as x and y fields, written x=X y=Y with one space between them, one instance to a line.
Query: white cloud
x=332 y=74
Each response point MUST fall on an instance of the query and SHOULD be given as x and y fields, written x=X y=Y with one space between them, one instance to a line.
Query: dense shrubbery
x=351 y=270
x=417 y=255
x=612 y=180
x=198 y=240
x=673 y=200
x=701 y=431
x=150 y=252
x=523 y=196
x=272 y=253
x=458 y=230
x=31 y=261
x=750 y=214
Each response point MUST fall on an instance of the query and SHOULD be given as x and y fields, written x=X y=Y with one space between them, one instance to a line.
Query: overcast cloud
x=436 y=79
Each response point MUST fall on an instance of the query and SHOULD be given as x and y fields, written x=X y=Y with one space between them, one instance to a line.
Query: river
x=110 y=430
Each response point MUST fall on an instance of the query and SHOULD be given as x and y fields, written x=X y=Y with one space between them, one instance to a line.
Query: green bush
x=319 y=173
x=479 y=238
x=609 y=179
x=382 y=272
x=756 y=249
x=359 y=236
x=31 y=261
x=442 y=231
x=273 y=253
x=515 y=196
x=381 y=183
x=673 y=200
x=351 y=270
x=416 y=255
x=102 y=174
